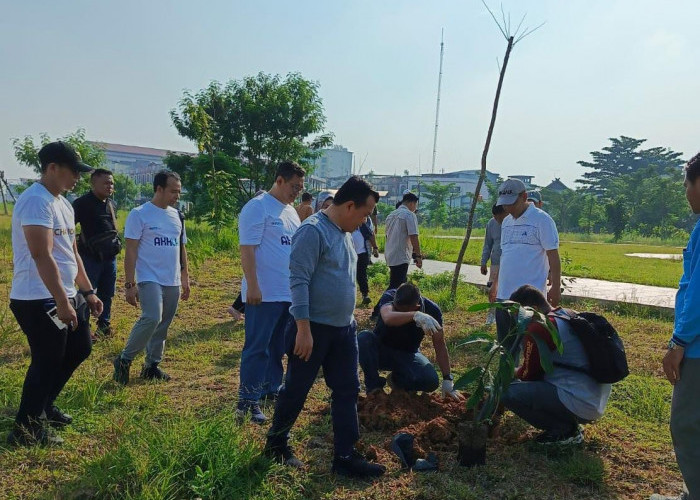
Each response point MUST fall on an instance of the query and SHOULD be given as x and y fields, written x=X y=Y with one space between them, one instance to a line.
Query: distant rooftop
x=123 y=148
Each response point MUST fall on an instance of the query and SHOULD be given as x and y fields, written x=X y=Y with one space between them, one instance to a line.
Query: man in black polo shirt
x=99 y=242
x=405 y=317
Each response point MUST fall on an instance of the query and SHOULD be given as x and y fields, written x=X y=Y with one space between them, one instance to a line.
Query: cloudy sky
x=596 y=69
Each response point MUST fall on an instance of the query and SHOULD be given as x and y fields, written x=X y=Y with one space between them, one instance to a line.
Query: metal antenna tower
x=437 y=106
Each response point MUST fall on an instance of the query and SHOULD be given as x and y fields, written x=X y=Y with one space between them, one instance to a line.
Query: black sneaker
x=121 y=370
x=366 y=300
x=22 y=436
x=355 y=465
x=56 y=418
x=549 y=439
x=104 y=330
x=284 y=455
x=252 y=410
x=154 y=373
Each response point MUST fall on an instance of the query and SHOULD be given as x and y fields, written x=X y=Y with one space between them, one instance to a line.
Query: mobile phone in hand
x=52 y=313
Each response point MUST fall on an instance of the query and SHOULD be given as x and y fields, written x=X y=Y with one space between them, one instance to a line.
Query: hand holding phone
x=66 y=313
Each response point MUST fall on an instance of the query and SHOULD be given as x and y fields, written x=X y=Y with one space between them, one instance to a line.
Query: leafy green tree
x=617 y=215
x=27 y=150
x=125 y=191
x=256 y=121
x=624 y=157
x=437 y=195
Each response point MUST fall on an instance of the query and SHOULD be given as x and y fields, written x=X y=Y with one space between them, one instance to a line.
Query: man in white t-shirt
x=50 y=310
x=265 y=228
x=155 y=268
x=402 y=243
x=529 y=250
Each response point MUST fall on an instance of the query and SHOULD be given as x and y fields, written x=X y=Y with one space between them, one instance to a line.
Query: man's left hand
x=554 y=295
x=448 y=391
x=185 y=289
x=95 y=305
x=672 y=364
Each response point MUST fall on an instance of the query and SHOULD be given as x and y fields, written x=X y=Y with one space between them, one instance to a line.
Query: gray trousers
x=158 y=307
x=685 y=425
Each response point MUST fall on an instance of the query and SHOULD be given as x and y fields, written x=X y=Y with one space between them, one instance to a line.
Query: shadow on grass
x=219 y=331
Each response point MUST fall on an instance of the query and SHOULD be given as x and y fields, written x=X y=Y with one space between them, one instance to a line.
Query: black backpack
x=603 y=346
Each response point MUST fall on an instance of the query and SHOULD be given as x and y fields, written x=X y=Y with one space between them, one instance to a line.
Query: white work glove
x=448 y=390
x=426 y=323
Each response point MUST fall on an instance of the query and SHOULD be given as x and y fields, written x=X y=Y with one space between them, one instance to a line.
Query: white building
x=334 y=162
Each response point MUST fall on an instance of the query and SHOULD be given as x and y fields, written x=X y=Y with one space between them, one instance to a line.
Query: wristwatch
x=448 y=377
x=672 y=346
x=87 y=293
x=129 y=284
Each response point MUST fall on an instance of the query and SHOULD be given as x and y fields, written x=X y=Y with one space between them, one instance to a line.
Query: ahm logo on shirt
x=286 y=240
x=164 y=241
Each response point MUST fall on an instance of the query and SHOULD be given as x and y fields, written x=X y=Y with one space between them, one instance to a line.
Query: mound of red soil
x=431 y=419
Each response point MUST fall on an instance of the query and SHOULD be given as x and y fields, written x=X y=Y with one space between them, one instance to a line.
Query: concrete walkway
x=580 y=288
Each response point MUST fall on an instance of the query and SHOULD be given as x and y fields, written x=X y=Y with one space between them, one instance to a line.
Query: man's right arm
x=253 y=293
x=131 y=253
x=305 y=252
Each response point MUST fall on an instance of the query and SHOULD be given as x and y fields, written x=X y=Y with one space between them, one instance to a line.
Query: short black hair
x=497 y=209
x=328 y=198
x=306 y=197
x=529 y=296
x=100 y=171
x=407 y=295
x=357 y=190
x=161 y=178
x=289 y=169
x=692 y=169
x=409 y=198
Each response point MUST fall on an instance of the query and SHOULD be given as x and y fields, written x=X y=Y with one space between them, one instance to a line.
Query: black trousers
x=55 y=354
x=398 y=275
x=362 y=263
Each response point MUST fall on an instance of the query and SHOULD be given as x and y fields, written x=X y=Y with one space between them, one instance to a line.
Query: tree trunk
x=475 y=199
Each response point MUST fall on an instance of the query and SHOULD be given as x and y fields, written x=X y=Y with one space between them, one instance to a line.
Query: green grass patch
x=643 y=398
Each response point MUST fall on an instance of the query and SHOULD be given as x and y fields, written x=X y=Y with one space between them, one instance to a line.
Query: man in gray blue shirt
x=322 y=280
x=492 y=250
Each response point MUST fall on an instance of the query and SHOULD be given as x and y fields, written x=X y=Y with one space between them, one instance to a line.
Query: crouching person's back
x=558 y=402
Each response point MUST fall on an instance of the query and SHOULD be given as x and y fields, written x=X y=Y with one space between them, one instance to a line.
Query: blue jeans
x=261 y=359
x=410 y=371
x=334 y=349
x=539 y=405
x=103 y=277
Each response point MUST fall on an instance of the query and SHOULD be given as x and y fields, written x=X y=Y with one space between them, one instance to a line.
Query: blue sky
x=597 y=69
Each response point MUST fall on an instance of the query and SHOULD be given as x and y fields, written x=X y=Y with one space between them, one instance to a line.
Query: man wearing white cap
x=530 y=249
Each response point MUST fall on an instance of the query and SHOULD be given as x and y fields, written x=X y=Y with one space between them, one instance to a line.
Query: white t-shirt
x=36 y=206
x=524 y=245
x=268 y=224
x=158 y=231
x=400 y=224
x=358 y=240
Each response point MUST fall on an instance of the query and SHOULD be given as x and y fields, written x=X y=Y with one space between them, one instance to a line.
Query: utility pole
x=437 y=106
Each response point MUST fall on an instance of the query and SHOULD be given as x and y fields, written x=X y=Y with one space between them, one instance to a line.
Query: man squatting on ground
x=555 y=402
x=323 y=263
x=155 y=267
x=529 y=252
x=50 y=310
x=404 y=319
x=99 y=243
x=682 y=361
x=266 y=226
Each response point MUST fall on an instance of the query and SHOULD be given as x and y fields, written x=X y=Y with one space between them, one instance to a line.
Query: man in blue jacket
x=682 y=361
x=323 y=331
